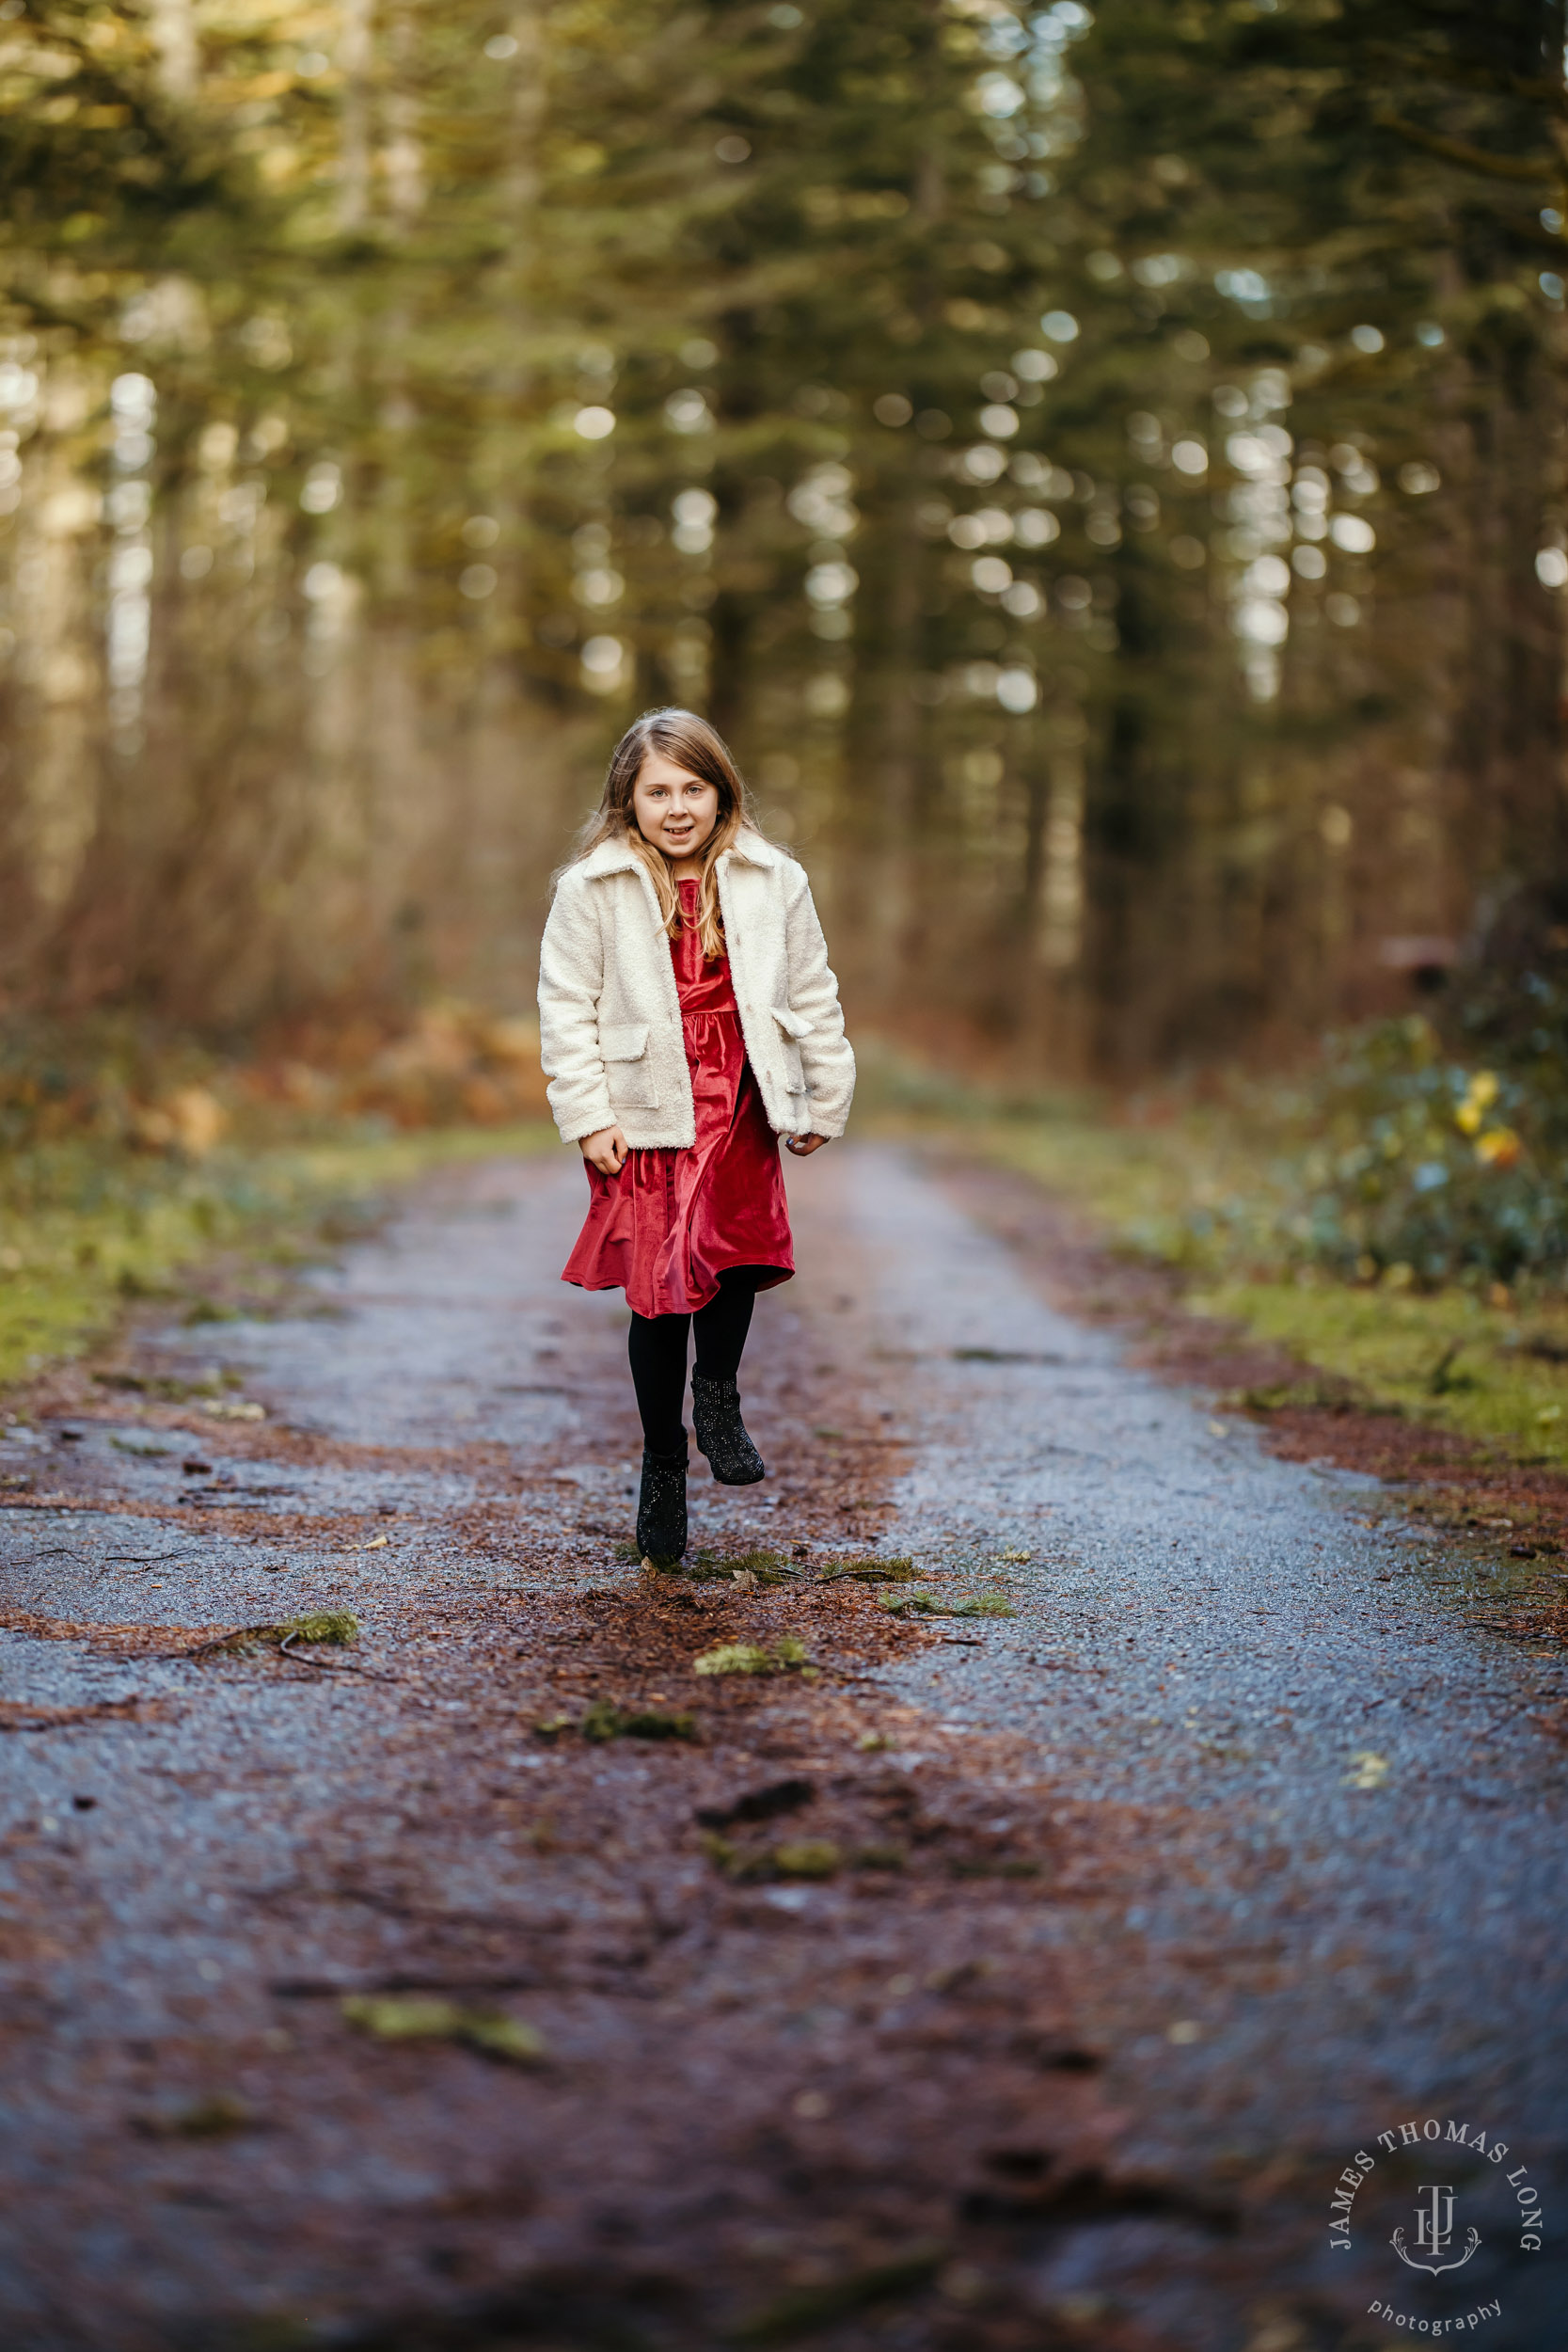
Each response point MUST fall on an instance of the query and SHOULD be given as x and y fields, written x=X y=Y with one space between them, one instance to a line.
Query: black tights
x=657 y=1346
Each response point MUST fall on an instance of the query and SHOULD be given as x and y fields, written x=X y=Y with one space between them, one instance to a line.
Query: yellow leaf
x=393 y=2017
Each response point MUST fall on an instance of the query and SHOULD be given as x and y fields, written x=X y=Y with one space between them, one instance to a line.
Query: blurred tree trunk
x=1196 y=377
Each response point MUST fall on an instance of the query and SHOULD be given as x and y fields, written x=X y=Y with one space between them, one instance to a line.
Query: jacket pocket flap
x=625 y=1043
x=792 y=1024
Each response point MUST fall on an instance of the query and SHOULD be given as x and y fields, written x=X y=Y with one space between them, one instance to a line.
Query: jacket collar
x=618 y=857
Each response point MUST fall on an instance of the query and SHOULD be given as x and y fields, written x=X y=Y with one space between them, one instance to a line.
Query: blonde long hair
x=700 y=748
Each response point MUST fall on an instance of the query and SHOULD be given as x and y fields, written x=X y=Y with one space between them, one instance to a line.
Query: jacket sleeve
x=571 y=981
x=826 y=1054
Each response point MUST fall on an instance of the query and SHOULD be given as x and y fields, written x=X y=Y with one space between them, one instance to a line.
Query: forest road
x=993 y=1980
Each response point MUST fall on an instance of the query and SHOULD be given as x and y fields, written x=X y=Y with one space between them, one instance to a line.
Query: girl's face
x=674 y=810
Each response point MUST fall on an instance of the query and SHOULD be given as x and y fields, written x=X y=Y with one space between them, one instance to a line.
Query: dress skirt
x=674 y=1219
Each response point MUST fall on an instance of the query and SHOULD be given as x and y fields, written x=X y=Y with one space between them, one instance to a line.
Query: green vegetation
x=1389 y=1159
x=758 y=1566
x=1449 y=1358
x=926 y=1604
x=796 y=1858
x=425 y=2017
x=1099 y=466
x=898 y=1569
x=338 y=1626
x=87 y=1227
x=752 y=1658
x=603 y=1720
x=1394 y=1219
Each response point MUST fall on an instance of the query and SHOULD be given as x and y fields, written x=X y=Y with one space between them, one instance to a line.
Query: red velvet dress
x=665 y=1228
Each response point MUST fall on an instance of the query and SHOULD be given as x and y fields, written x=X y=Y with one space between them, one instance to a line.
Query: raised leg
x=721 y=1327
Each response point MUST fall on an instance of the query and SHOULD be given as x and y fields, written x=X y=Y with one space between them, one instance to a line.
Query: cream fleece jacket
x=609 y=1016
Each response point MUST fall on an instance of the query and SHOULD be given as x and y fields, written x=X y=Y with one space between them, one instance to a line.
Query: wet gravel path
x=1299 y=1872
x=1357 y=1881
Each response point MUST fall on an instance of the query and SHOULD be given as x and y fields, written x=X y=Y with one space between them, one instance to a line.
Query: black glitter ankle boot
x=722 y=1434
x=661 y=1508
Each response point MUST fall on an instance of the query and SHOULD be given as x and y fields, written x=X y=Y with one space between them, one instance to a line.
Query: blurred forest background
x=1105 y=470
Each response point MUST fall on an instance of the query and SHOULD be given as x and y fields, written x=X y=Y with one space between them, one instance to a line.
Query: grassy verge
x=1208 y=1192
x=1192 y=1193
x=1448 y=1360
x=86 y=1228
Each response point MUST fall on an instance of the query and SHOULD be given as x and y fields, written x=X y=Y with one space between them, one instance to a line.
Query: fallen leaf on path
x=220 y=1408
x=1370 y=1769
x=415 y=2017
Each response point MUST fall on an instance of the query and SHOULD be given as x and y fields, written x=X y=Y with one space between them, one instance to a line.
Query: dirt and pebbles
x=967 y=1980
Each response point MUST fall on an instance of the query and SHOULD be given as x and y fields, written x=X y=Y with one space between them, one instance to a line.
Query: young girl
x=688 y=1018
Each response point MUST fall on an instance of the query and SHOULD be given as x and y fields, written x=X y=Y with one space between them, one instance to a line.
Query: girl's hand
x=804 y=1145
x=608 y=1151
